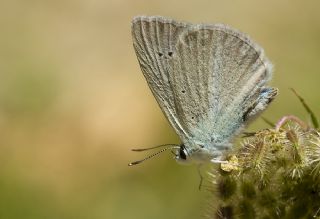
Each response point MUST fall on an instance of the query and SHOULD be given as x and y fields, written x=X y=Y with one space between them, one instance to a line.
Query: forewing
x=216 y=73
x=154 y=40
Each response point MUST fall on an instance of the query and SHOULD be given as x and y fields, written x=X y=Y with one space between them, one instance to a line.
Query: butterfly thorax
x=197 y=154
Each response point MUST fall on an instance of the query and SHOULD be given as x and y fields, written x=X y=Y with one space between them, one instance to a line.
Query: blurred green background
x=73 y=102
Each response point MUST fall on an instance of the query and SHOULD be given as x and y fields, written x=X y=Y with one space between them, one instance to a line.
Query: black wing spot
x=183 y=91
x=192 y=117
x=160 y=54
x=170 y=53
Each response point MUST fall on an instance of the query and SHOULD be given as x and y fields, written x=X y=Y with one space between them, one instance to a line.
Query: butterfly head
x=182 y=156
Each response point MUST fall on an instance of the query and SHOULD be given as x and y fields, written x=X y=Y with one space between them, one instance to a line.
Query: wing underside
x=208 y=79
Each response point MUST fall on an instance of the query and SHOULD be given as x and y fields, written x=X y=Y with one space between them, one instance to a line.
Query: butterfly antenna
x=158 y=146
x=151 y=156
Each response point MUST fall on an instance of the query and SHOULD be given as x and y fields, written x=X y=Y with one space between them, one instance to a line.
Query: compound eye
x=182 y=153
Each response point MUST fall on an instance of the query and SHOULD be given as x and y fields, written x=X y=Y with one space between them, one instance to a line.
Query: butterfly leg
x=217 y=160
x=201 y=177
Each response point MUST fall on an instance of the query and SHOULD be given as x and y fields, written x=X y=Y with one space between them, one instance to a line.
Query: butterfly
x=208 y=79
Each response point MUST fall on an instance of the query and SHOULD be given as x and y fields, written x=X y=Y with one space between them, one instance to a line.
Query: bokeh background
x=73 y=102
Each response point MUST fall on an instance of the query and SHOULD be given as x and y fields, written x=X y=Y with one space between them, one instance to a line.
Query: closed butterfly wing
x=218 y=78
